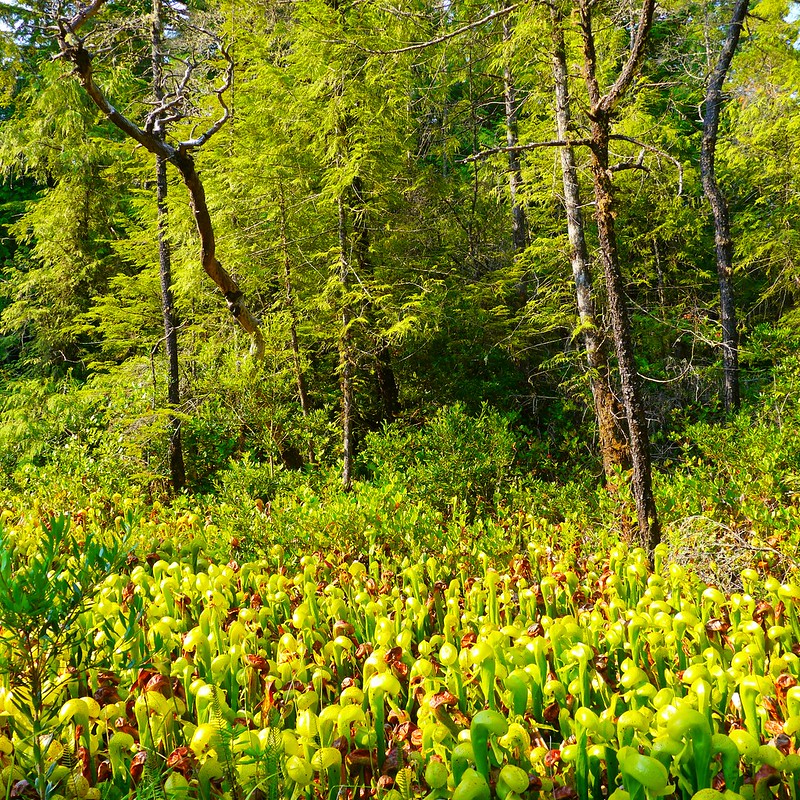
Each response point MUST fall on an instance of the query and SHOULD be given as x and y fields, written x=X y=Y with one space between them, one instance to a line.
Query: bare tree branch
x=610 y=99
x=638 y=164
x=445 y=37
x=157 y=115
x=84 y=15
x=620 y=138
x=585 y=142
x=219 y=92
x=623 y=165
x=82 y=60
x=523 y=147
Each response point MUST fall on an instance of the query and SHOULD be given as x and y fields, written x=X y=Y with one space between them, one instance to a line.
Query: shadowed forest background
x=411 y=205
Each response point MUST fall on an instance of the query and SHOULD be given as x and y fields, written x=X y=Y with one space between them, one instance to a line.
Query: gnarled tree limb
x=73 y=50
x=199 y=141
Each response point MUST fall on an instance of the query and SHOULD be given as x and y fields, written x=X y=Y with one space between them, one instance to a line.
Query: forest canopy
x=305 y=238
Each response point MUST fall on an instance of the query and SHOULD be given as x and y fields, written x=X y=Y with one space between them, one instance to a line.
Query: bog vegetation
x=399 y=400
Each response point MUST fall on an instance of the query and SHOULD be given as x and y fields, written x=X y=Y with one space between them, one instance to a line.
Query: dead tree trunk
x=714 y=101
x=175 y=449
x=602 y=107
x=608 y=413
x=641 y=483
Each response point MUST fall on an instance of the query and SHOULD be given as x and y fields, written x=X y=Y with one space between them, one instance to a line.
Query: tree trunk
x=387 y=382
x=662 y=295
x=346 y=361
x=176 y=466
x=519 y=223
x=641 y=484
x=608 y=413
x=719 y=208
x=602 y=108
x=300 y=378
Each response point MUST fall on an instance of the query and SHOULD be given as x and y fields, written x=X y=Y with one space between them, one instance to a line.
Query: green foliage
x=40 y=422
x=454 y=457
x=495 y=410
x=321 y=107
x=561 y=613
x=45 y=587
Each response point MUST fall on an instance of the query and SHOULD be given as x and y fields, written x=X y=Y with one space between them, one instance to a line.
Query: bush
x=454 y=455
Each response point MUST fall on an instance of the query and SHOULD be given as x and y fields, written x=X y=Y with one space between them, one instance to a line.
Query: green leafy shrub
x=454 y=455
x=45 y=587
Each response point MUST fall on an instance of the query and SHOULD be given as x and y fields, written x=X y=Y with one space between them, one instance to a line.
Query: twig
x=620 y=138
x=226 y=113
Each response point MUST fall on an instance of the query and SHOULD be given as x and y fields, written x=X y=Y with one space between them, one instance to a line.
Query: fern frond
x=403 y=781
x=224 y=740
x=150 y=787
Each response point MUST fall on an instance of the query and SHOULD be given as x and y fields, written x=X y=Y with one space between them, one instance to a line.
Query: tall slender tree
x=608 y=413
x=176 y=466
x=602 y=105
x=519 y=222
x=346 y=350
x=714 y=101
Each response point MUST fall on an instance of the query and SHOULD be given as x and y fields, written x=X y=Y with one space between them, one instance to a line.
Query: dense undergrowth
x=471 y=621
x=144 y=652
x=451 y=628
